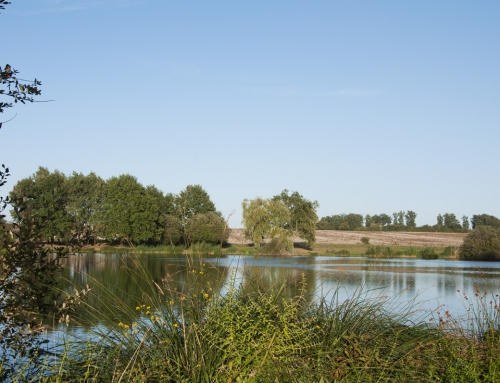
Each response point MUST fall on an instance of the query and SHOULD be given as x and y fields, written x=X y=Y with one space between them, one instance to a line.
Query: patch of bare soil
x=340 y=237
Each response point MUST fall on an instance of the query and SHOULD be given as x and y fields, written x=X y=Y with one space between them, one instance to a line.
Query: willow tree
x=303 y=215
x=266 y=218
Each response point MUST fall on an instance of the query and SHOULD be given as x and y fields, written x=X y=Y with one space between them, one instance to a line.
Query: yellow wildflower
x=205 y=295
x=138 y=308
x=171 y=302
x=201 y=272
x=176 y=325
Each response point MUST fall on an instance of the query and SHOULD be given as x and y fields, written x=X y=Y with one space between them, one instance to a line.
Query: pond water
x=432 y=285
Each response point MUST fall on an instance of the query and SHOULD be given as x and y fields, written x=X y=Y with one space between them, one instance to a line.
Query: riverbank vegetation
x=252 y=331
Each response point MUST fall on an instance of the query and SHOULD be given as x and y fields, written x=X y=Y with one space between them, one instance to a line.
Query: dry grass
x=335 y=240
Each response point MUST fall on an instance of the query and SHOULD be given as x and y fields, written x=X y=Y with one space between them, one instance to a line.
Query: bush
x=483 y=243
x=209 y=228
x=450 y=251
x=365 y=240
x=428 y=253
x=172 y=230
x=278 y=246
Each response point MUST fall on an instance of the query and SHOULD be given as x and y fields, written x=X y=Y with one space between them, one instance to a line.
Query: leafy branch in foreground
x=28 y=280
x=18 y=89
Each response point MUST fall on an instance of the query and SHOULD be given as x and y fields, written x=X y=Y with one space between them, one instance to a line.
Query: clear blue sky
x=365 y=106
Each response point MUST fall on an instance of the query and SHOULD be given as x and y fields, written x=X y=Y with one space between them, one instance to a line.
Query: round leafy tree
x=208 y=227
x=483 y=243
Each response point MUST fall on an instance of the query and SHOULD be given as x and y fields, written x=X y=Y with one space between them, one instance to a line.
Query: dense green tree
x=85 y=203
x=265 y=218
x=130 y=212
x=46 y=196
x=303 y=215
x=440 y=220
x=465 y=222
x=209 y=227
x=401 y=218
x=451 y=222
x=381 y=219
x=484 y=220
x=349 y=221
x=165 y=202
x=193 y=200
x=368 y=220
x=172 y=229
x=482 y=243
x=398 y=218
x=410 y=218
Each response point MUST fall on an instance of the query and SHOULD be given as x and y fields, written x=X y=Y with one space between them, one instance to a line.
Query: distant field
x=340 y=237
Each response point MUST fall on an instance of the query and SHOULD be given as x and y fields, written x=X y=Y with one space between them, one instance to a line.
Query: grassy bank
x=395 y=251
x=252 y=332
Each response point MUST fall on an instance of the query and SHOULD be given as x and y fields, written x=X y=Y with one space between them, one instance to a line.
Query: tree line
x=118 y=210
x=404 y=221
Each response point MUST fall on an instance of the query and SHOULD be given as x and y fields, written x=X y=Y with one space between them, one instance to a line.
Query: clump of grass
x=114 y=250
x=160 y=249
x=365 y=240
x=203 y=248
x=381 y=251
x=232 y=250
x=343 y=253
x=450 y=251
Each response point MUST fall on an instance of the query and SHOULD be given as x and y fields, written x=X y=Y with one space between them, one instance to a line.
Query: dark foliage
x=482 y=243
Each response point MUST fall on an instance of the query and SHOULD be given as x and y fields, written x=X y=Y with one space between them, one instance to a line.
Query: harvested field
x=340 y=237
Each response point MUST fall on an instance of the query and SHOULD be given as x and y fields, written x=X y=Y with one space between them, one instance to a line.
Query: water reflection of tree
x=128 y=280
x=291 y=280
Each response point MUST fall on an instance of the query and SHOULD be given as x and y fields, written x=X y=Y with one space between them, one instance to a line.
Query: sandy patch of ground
x=340 y=237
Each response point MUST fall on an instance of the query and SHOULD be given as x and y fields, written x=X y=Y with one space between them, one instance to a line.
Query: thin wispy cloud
x=294 y=91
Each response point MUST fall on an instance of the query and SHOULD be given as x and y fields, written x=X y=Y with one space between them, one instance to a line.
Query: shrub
x=428 y=253
x=209 y=228
x=172 y=230
x=450 y=251
x=483 y=243
x=277 y=246
x=365 y=240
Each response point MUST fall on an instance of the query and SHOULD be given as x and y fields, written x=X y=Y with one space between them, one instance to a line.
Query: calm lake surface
x=433 y=285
